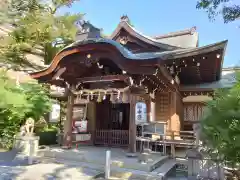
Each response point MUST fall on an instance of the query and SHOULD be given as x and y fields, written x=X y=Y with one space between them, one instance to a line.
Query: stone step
x=155 y=160
x=135 y=164
x=116 y=173
x=165 y=168
x=158 y=162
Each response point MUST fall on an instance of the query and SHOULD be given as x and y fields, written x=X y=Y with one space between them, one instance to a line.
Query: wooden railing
x=114 y=138
x=180 y=135
x=160 y=142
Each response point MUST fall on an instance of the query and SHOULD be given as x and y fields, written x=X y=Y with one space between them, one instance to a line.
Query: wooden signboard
x=140 y=113
x=78 y=112
x=55 y=113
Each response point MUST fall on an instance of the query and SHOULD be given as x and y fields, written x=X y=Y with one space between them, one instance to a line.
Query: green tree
x=229 y=11
x=38 y=29
x=18 y=103
x=221 y=125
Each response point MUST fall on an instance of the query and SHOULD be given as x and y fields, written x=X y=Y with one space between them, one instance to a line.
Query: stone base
x=22 y=144
x=143 y=157
x=97 y=156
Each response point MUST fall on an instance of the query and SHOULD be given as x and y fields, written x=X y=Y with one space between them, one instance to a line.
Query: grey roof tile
x=184 y=39
x=151 y=55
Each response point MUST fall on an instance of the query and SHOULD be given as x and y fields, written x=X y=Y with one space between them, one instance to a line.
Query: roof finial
x=124 y=18
x=193 y=29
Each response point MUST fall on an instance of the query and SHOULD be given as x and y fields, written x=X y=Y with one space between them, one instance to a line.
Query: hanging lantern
x=99 y=98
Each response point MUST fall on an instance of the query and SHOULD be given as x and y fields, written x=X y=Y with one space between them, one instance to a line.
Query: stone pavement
x=7 y=156
x=46 y=171
x=14 y=167
x=51 y=169
x=117 y=173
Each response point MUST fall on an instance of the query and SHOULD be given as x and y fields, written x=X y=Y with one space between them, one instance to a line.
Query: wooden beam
x=59 y=73
x=103 y=78
x=197 y=93
x=165 y=73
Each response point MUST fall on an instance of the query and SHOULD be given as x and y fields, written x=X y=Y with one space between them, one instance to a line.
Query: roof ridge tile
x=190 y=31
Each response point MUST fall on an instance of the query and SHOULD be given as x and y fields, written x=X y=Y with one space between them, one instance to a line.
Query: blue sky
x=156 y=17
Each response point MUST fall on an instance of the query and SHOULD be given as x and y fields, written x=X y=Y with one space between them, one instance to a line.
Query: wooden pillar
x=132 y=125
x=174 y=125
x=91 y=115
x=68 y=121
x=152 y=107
x=173 y=102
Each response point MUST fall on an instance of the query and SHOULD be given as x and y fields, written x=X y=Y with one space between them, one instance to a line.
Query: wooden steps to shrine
x=165 y=168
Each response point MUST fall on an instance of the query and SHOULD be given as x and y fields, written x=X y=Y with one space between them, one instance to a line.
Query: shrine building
x=118 y=83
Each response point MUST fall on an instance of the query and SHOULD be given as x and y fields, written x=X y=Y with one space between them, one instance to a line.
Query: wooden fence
x=114 y=138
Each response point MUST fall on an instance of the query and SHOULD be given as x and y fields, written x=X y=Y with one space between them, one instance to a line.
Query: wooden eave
x=133 y=32
x=209 y=68
x=120 y=60
x=176 y=54
x=142 y=63
x=183 y=88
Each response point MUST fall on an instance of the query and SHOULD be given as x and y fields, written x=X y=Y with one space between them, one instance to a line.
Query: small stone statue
x=29 y=126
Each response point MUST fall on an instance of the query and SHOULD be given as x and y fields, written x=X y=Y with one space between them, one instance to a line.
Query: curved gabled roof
x=187 y=38
x=149 y=55
x=149 y=40
x=159 y=56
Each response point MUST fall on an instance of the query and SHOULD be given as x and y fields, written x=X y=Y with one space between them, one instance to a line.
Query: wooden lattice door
x=192 y=113
x=112 y=126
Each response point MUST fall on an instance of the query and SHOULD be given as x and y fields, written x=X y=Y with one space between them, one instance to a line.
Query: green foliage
x=37 y=25
x=221 y=125
x=38 y=29
x=17 y=104
x=47 y=134
x=229 y=11
x=47 y=128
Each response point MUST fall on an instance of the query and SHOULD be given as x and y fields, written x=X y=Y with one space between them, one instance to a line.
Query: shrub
x=17 y=104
